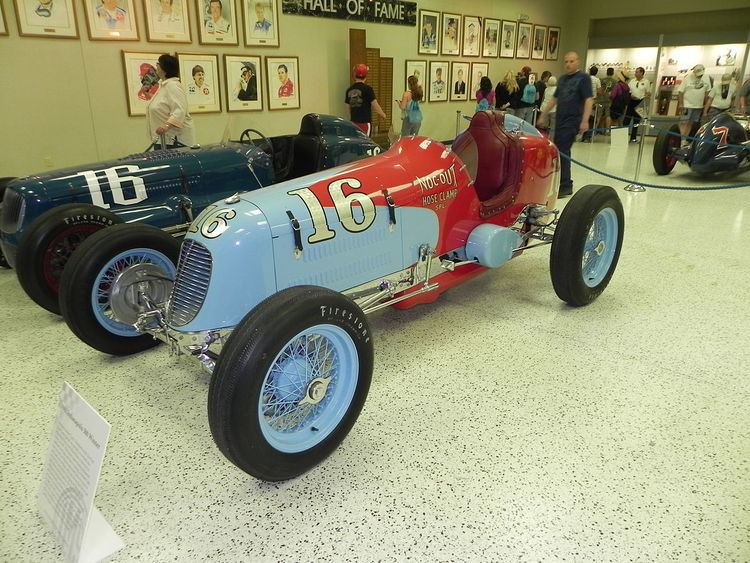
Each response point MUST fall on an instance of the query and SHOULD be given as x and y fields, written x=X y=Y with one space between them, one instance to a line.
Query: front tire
x=664 y=146
x=290 y=382
x=102 y=288
x=587 y=244
x=48 y=244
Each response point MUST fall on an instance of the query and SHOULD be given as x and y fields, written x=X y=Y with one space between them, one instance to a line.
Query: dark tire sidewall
x=570 y=237
x=35 y=246
x=252 y=348
x=81 y=273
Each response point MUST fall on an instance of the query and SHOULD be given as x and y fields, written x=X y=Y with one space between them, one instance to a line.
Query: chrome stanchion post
x=644 y=124
x=163 y=140
x=596 y=120
x=458 y=121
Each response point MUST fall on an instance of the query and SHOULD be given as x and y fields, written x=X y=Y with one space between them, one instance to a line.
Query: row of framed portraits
x=456 y=81
x=245 y=85
x=442 y=33
x=167 y=21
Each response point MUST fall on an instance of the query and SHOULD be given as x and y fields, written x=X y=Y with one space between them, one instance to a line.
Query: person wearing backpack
x=409 y=104
x=485 y=95
x=620 y=96
x=523 y=100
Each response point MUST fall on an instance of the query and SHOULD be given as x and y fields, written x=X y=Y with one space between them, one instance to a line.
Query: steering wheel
x=246 y=139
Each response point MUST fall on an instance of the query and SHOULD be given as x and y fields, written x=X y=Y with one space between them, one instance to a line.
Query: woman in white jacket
x=549 y=93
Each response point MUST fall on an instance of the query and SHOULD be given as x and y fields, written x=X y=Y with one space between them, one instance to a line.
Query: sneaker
x=633 y=140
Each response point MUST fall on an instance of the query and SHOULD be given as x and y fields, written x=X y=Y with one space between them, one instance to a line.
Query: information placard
x=69 y=480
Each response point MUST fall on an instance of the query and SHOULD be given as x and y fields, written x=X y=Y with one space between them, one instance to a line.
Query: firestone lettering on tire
x=335 y=312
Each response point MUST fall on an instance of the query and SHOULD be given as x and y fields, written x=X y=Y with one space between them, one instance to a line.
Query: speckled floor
x=501 y=424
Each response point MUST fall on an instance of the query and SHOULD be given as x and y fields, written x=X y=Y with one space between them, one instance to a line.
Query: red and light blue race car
x=272 y=288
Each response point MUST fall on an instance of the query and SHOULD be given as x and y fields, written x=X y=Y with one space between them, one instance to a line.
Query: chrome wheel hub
x=131 y=285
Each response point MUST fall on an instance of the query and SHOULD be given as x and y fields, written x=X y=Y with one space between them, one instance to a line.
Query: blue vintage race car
x=45 y=217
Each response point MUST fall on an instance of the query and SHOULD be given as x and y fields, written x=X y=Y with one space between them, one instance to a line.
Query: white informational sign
x=618 y=151
x=71 y=473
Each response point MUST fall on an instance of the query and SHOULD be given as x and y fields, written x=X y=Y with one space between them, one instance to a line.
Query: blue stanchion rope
x=655 y=186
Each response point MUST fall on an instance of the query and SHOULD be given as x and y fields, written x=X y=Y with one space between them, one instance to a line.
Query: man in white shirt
x=720 y=97
x=640 y=90
x=691 y=96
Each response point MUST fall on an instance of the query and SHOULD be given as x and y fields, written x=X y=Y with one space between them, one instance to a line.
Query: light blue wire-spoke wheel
x=587 y=244
x=290 y=382
x=114 y=272
x=308 y=389
x=115 y=275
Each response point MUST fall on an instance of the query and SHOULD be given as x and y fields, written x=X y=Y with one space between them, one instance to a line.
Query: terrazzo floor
x=501 y=424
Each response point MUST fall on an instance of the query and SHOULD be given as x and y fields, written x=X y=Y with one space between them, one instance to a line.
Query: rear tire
x=587 y=244
x=4 y=182
x=106 y=275
x=49 y=242
x=664 y=147
x=290 y=382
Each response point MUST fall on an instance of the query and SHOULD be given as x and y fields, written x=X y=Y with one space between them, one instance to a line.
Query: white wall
x=64 y=101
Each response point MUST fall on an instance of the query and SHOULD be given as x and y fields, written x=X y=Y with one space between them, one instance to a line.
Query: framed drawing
x=261 y=22
x=283 y=82
x=244 y=82
x=217 y=22
x=451 y=44
x=3 y=27
x=472 y=36
x=540 y=38
x=508 y=39
x=141 y=80
x=199 y=75
x=45 y=18
x=438 y=91
x=167 y=21
x=553 y=41
x=418 y=69
x=478 y=70
x=459 y=74
x=491 y=35
x=111 y=20
x=429 y=31
x=523 y=46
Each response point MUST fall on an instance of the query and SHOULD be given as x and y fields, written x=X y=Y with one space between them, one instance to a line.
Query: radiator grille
x=191 y=285
x=11 y=211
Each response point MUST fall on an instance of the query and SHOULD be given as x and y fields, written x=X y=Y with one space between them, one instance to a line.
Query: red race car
x=273 y=286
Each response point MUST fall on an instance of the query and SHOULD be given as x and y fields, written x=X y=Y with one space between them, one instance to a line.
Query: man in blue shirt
x=574 y=99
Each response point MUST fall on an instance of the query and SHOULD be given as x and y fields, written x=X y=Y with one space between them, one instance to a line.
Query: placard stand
x=69 y=480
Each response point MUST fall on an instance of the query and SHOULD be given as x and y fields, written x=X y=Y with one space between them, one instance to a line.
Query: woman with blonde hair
x=409 y=104
x=504 y=90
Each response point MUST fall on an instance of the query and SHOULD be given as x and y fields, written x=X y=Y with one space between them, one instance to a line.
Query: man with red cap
x=361 y=100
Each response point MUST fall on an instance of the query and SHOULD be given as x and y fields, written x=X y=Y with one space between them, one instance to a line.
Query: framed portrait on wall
x=199 y=75
x=45 y=18
x=217 y=22
x=451 y=43
x=458 y=88
x=429 y=32
x=553 y=42
x=261 y=22
x=472 y=36
x=478 y=70
x=283 y=82
x=508 y=39
x=141 y=80
x=167 y=21
x=523 y=45
x=491 y=37
x=244 y=82
x=111 y=20
x=3 y=26
x=438 y=90
x=540 y=38
x=418 y=69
